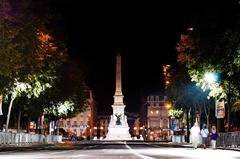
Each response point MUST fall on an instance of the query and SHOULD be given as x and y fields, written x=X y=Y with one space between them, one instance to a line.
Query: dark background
x=144 y=33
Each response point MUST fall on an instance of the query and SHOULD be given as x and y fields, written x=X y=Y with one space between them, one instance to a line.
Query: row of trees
x=208 y=48
x=35 y=67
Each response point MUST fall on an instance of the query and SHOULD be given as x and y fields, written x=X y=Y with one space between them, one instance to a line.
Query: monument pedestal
x=118 y=133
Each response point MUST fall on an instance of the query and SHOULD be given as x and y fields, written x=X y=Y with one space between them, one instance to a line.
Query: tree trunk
x=9 y=113
x=229 y=109
x=37 y=126
x=41 y=124
x=207 y=109
x=1 y=99
x=188 y=126
x=1 y=121
x=28 y=124
x=19 y=120
x=199 y=114
x=192 y=117
x=54 y=125
x=57 y=123
x=15 y=120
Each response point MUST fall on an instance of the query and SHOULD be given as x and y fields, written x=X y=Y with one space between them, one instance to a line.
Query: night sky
x=145 y=34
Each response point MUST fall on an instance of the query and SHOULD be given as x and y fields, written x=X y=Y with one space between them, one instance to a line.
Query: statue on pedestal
x=118 y=122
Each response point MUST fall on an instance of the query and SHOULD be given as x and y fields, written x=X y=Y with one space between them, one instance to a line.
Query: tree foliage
x=213 y=48
x=183 y=92
x=221 y=56
x=33 y=58
x=176 y=113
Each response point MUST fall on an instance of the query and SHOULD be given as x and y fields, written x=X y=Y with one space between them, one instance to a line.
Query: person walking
x=213 y=136
x=204 y=133
x=195 y=135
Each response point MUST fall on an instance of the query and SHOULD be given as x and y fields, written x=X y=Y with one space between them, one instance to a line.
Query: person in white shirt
x=204 y=134
x=195 y=135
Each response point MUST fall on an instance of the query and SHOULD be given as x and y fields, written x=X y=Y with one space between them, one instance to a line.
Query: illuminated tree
x=167 y=74
x=176 y=113
x=32 y=56
x=20 y=62
x=185 y=95
x=216 y=52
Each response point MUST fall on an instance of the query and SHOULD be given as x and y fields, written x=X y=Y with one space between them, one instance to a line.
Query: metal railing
x=230 y=139
x=22 y=138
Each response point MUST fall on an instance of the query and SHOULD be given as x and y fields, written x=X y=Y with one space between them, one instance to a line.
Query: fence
x=230 y=139
x=20 y=138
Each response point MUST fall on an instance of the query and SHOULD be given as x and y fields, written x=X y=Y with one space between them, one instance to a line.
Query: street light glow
x=211 y=77
x=168 y=106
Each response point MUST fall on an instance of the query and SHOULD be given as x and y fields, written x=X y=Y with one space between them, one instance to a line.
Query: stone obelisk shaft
x=118 y=76
x=118 y=96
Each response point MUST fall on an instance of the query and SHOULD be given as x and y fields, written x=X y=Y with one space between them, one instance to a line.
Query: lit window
x=151 y=112
x=157 y=111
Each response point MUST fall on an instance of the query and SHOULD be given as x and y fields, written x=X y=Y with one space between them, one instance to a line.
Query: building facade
x=82 y=125
x=156 y=122
x=101 y=128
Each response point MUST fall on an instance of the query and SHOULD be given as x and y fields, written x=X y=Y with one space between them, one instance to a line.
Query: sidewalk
x=27 y=147
x=229 y=148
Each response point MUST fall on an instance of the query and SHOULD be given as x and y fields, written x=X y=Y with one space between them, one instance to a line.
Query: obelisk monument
x=118 y=128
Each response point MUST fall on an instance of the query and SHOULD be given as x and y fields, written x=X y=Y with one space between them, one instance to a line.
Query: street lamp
x=168 y=106
x=211 y=77
x=135 y=131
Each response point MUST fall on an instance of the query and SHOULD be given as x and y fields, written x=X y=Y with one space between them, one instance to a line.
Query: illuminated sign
x=220 y=109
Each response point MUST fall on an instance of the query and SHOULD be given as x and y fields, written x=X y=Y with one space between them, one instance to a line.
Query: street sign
x=220 y=109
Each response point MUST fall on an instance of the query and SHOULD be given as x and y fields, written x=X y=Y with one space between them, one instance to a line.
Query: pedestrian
x=213 y=137
x=204 y=133
x=195 y=135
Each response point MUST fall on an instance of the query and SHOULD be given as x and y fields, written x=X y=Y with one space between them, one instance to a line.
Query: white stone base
x=118 y=133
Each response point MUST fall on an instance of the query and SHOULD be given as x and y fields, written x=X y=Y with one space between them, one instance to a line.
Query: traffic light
x=167 y=74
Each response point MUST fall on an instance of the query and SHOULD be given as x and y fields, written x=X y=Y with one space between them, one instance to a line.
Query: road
x=118 y=150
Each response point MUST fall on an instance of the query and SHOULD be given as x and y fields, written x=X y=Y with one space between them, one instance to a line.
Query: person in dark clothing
x=213 y=137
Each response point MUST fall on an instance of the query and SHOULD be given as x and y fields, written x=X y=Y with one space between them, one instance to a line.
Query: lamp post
x=168 y=107
x=142 y=133
x=212 y=79
x=101 y=132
